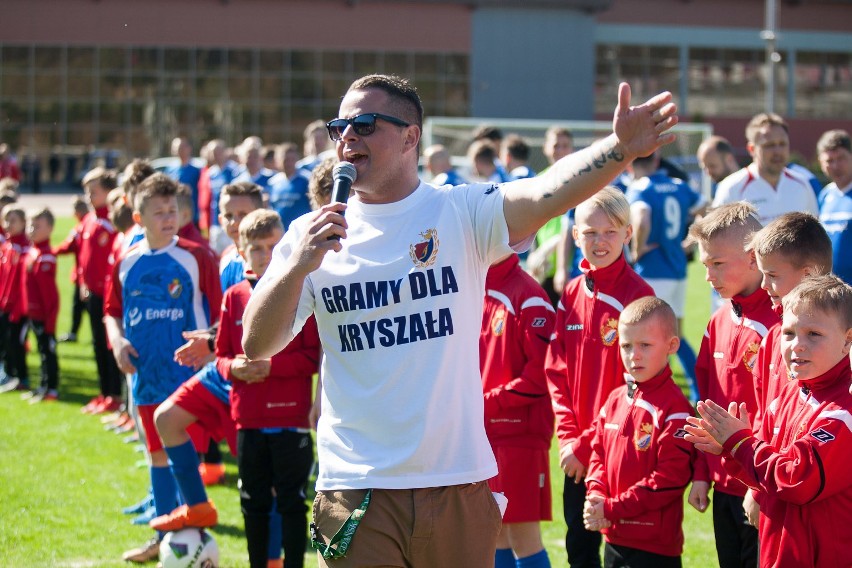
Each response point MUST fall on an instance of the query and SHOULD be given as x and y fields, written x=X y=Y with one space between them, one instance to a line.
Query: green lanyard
x=343 y=535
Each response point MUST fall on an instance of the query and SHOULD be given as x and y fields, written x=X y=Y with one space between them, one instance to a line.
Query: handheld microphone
x=344 y=175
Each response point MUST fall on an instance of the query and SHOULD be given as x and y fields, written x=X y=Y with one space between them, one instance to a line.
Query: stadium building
x=122 y=77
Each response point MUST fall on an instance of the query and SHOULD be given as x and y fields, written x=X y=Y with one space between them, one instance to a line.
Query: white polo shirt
x=793 y=193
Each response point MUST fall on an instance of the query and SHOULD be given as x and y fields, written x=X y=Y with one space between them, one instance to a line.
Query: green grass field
x=64 y=480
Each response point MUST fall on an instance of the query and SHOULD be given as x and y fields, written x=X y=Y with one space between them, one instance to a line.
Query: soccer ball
x=189 y=548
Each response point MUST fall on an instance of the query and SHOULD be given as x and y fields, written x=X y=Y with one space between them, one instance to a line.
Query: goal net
x=456 y=135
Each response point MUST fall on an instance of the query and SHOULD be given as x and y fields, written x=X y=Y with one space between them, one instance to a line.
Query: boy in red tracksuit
x=71 y=245
x=725 y=363
x=641 y=464
x=517 y=322
x=270 y=402
x=13 y=300
x=187 y=229
x=790 y=248
x=583 y=364
x=799 y=462
x=95 y=248
x=43 y=303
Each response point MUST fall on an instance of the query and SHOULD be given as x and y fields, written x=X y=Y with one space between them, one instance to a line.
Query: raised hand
x=644 y=128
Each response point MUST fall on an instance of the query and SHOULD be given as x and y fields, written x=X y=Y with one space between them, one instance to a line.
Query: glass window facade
x=134 y=100
x=727 y=82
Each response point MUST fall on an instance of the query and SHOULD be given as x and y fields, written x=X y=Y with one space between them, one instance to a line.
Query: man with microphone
x=398 y=302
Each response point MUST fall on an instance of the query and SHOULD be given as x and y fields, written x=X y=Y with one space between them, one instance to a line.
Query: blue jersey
x=835 y=212
x=261 y=178
x=451 y=177
x=231 y=271
x=219 y=178
x=521 y=172
x=159 y=294
x=136 y=234
x=189 y=175
x=232 y=268
x=289 y=196
x=670 y=201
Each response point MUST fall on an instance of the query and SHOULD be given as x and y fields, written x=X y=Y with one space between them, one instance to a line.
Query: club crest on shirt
x=750 y=356
x=175 y=288
x=642 y=438
x=498 y=322
x=103 y=238
x=609 y=332
x=425 y=253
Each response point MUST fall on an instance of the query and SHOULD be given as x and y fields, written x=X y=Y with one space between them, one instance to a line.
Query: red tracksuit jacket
x=13 y=288
x=283 y=399
x=770 y=372
x=94 y=250
x=42 y=292
x=71 y=245
x=583 y=364
x=641 y=465
x=517 y=322
x=724 y=368
x=802 y=474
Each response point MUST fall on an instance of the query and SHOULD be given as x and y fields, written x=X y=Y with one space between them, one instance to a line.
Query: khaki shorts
x=416 y=528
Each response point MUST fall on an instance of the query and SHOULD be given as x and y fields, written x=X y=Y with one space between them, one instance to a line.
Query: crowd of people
x=216 y=294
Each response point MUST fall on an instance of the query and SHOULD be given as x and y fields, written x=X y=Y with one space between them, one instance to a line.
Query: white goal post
x=456 y=135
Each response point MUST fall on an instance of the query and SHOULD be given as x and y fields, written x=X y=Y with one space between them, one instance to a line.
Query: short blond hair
x=826 y=293
x=649 y=307
x=259 y=224
x=611 y=201
x=798 y=237
x=322 y=183
x=739 y=218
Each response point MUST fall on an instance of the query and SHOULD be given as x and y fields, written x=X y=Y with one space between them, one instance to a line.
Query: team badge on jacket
x=498 y=322
x=642 y=438
x=750 y=356
x=609 y=332
x=175 y=288
x=425 y=253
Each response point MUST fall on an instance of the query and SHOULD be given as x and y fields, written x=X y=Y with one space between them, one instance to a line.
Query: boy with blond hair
x=43 y=303
x=583 y=364
x=640 y=464
x=726 y=360
x=270 y=402
x=13 y=299
x=799 y=461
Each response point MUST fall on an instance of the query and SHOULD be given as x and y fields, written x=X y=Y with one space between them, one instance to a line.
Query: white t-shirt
x=793 y=193
x=399 y=311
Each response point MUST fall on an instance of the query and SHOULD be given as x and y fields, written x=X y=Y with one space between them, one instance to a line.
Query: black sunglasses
x=363 y=124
